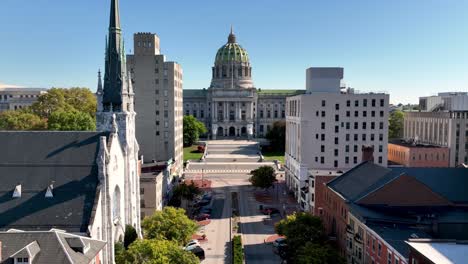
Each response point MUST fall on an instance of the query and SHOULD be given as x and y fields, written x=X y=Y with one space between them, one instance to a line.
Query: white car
x=192 y=243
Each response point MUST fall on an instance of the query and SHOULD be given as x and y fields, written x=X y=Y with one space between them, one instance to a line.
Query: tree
x=130 y=236
x=277 y=136
x=192 y=130
x=263 y=177
x=21 y=120
x=299 y=230
x=71 y=120
x=152 y=251
x=53 y=100
x=81 y=99
x=396 y=124
x=313 y=253
x=185 y=191
x=170 y=224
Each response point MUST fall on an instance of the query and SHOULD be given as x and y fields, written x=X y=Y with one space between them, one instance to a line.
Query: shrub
x=237 y=250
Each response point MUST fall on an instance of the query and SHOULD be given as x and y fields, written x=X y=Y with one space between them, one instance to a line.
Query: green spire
x=115 y=62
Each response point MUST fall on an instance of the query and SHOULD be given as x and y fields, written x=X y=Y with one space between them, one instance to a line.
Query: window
x=166 y=124
x=372 y=125
x=380 y=148
x=348 y=113
x=356 y=113
x=347 y=137
x=380 y=159
x=372 y=138
x=337 y=107
x=364 y=125
x=166 y=103
x=323 y=113
x=337 y=129
x=166 y=114
x=322 y=137
x=166 y=134
x=165 y=93
x=188 y=113
x=142 y=190
x=364 y=137
x=380 y=137
x=355 y=137
x=336 y=141
x=322 y=148
x=381 y=125
x=382 y=102
x=337 y=118
x=335 y=163
x=364 y=102
x=157 y=133
x=356 y=125
x=347 y=125
x=347 y=160
x=348 y=103
x=379 y=250
x=356 y=103
x=381 y=113
x=373 y=102
x=322 y=160
x=323 y=125
x=336 y=153
x=373 y=113
x=364 y=113
x=355 y=160
x=323 y=103
x=389 y=258
x=347 y=148
x=355 y=148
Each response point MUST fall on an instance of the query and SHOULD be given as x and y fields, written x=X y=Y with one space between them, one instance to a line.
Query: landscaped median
x=237 y=249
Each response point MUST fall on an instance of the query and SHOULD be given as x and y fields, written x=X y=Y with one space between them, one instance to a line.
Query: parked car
x=192 y=242
x=191 y=247
x=202 y=216
x=279 y=241
x=206 y=210
x=199 y=252
x=270 y=211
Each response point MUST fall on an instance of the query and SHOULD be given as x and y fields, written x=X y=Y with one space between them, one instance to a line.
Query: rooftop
x=411 y=144
x=53 y=246
x=440 y=251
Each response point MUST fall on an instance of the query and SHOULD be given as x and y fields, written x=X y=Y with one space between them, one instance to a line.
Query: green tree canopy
x=152 y=251
x=186 y=191
x=81 y=99
x=313 y=253
x=277 y=136
x=263 y=177
x=71 y=120
x=171 y=224
x=306 y=240
x=192 y=130
x=396 y=124
x=21 y=120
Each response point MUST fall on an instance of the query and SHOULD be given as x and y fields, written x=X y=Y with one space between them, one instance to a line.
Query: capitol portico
x=232 y=106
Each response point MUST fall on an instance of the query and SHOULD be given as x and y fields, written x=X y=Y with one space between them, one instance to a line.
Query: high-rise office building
x=158 y=101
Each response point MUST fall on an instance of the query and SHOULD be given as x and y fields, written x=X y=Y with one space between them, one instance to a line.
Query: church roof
x=35 y=163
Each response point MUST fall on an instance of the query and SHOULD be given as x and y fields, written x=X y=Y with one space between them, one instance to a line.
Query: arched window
x=224 y=71
x=116 y=203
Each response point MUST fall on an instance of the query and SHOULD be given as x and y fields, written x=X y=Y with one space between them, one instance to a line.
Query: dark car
x=202 y=216
x=270 y=211
x=199 y=252
x=206 y=210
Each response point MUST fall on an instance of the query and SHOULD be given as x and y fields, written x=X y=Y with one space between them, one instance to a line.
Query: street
x=254 y=227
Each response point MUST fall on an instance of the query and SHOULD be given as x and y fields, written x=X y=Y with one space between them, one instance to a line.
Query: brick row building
x=370 y=211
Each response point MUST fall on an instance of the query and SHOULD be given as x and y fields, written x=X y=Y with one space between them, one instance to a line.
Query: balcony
x=358 y=239
x=349 y=230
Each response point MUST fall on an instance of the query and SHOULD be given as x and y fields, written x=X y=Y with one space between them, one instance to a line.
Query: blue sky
x=406 y=48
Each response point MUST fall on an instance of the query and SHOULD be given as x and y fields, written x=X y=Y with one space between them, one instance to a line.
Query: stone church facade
x=232 y=106
x=85 y=183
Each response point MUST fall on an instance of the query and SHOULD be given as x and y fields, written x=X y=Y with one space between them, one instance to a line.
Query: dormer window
x=17 y=191
x=22 y=260
x=49 y=193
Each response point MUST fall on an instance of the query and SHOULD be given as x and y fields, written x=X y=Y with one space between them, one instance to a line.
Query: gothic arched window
x=116 y=203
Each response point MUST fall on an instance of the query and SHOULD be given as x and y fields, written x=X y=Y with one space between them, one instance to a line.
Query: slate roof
x=52 y=247
x=396 y=236
x=37 y=159
x=367 y=177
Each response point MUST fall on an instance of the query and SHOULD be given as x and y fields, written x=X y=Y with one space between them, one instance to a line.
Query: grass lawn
x=191 y=153
x=274 y=155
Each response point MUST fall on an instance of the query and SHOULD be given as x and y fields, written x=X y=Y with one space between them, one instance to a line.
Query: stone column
x=250 y=130
x=214 y=131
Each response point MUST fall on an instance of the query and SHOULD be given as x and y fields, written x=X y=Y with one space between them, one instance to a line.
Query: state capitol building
x=232 y=106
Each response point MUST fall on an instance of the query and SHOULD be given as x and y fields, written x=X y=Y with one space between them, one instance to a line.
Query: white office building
x=327 y=127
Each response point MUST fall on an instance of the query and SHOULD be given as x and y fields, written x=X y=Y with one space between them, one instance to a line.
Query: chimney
x=367 y=153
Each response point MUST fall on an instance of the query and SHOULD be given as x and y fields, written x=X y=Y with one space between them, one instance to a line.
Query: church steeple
x=115 y=75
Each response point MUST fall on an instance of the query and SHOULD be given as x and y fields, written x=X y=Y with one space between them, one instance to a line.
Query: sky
x=405 y=48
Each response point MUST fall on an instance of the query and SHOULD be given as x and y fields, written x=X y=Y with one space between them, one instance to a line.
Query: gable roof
x=35 y=160
x=49 y=246
x=367 y=177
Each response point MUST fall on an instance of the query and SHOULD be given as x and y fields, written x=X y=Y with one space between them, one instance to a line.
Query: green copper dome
x=231 y=52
